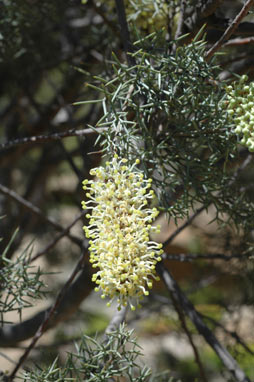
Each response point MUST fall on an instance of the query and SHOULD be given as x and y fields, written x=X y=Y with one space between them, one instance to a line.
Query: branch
x=10 y=335
x=117 y=319
x=182 y=257
x=183 y=226
x=238 y=171
x=234 y=177
x=49 y=315
x=106 y=20
x=241 y=65
x=71 y=162
x=57 y=238
x=35 y=210
x=239 y=41
x=9 y=359
x=228 y=361
x=200 y=12
x=188 y=333
x=125 y=35
x=230 y=30
x=232 y=334
x=180 y=24
x=209 y=7
x=51 y=137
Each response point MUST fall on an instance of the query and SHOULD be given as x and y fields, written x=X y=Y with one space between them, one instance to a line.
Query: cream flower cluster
x=119 y=226
x=240 y=108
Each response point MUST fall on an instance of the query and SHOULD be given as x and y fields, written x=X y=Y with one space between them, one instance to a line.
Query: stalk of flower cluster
x=119 y=227
x=240 y=108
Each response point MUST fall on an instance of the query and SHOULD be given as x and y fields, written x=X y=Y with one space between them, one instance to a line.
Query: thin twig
x=180 y=23
x=237 y=172
x=101 y=13
x=228 y=361
x=49 y=315
x=8 y=359
x=188 y=333
x=199 y=13
x=70 y=160
x=125 y=35
x=183 y=226
x=57 y=238
x=209 y=7
x=232 y=334
x=235 y=175
x=10 y=335
x=116 y=320
x=230 y=30
x=51 y=137
x=35 y=210
x=239 y=41
x=186 y=257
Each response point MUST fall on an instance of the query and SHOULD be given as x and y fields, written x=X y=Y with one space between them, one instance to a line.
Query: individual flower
x=240 y=108
x=119 y=227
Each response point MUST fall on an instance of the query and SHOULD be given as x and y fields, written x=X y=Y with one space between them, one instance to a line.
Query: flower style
x=119 y=227
x=240 y=104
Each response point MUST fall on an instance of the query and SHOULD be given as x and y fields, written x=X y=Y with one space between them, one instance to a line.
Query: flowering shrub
x=118 y=229
x=240 y=104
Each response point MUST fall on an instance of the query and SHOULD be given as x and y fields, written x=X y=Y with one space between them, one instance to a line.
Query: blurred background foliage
x=56 y=57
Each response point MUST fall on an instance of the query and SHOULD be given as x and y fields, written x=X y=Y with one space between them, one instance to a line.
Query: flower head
x=119 y=227
x=240 y=108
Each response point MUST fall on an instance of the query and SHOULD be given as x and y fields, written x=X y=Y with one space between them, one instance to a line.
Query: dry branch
x=228 y=361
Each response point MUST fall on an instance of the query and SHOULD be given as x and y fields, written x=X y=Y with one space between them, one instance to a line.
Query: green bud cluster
x=240 y=109
x=148 y=15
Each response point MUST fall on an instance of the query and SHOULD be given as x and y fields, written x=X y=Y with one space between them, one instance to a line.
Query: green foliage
x=26 y=29
x=168 y=111
x=20 y=285
x=94 y=361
